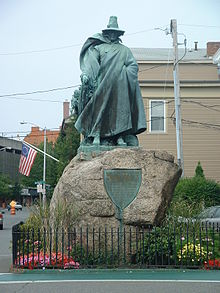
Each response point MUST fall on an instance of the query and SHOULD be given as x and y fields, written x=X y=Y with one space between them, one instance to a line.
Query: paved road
x=112 y=281
x=6 y=236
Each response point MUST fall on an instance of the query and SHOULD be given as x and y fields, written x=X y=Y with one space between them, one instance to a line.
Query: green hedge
x=198 y=189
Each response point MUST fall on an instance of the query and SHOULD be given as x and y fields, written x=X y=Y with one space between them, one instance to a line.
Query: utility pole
x=44 y=169
x=179 y=134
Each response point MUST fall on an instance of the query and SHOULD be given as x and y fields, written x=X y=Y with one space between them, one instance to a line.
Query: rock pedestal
x=82 y=184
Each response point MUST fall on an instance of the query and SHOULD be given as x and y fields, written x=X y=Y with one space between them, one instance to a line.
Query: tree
x=197 y=190
x=5 y=189
x=64 y=150
x=16 y=191
x=66 y=146
x=199 y=171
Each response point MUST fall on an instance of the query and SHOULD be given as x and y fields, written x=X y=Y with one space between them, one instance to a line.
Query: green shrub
x=159 y=245
x=199 y=171
x=196 y=190
x=182 y=208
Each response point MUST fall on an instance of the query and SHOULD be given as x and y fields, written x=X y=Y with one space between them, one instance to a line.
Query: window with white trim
x=157 y=116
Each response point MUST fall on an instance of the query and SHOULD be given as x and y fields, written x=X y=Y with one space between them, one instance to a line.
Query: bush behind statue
x=196 y=190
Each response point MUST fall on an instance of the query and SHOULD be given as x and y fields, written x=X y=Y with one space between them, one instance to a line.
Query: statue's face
x=112 y=35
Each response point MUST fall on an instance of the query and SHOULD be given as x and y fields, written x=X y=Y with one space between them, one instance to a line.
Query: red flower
x=58 y=260
x=212 y=264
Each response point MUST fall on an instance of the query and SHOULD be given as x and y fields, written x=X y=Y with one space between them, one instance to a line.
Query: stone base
x=82 y=185
x=87 y=152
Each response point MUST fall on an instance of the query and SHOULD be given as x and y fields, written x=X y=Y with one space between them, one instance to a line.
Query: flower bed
x=54 y=260
x=212 y=264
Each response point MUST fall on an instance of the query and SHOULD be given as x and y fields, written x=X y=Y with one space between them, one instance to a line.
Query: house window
x=157 y=116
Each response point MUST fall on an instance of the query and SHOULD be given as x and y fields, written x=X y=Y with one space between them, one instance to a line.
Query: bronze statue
x=110 y=105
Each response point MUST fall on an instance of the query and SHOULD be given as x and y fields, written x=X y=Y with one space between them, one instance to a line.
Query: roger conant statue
x=109 y=103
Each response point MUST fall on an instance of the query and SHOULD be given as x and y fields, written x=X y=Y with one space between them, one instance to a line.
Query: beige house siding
x=200 y=104
x=187 y=71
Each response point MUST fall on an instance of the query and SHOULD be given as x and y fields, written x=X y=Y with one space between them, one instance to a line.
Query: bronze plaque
x=122 y=185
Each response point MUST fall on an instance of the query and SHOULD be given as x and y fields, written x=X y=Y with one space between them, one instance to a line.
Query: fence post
x=15 y=237
x=14 y=244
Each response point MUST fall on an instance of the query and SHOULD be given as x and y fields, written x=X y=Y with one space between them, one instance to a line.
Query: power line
x=166 y=73
x=80 y=44
x=155 y=66
x=31 y=135
x=14 y=95
x=186 y=122
x=140 y=32
x=210 y=107
x=197 y=124
x=35 y=100
x=62 y=47
x=202 y=124
x=200 y=63
x=158 y=105
x=39 y=51
x=199 y=25
x=38 y=92
x=9 y=132
x=182 y=61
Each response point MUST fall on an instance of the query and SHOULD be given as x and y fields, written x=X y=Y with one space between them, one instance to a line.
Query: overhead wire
x=62 y=47
x=49 y=129
x=199 y=25
x=202 y=124
x=210 y=107
x=80 y=44
x=185 y=51
x=39 y=51
x=39 y=92
x=14 y=95
x=152 y=67
x=192 y=123
x=166 y=73
x=7 y=135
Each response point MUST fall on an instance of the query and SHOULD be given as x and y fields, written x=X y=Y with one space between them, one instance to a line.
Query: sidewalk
x=113 y=275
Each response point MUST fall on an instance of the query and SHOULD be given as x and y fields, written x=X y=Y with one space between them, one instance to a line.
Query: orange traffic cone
x=12 y=210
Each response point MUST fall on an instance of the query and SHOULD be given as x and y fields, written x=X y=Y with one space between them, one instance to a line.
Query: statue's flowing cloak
x=116 y=106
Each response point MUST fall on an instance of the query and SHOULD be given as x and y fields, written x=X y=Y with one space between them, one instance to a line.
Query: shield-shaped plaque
x=122 y=185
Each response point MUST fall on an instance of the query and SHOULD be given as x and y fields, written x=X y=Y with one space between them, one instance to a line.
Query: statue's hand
x=84 y=79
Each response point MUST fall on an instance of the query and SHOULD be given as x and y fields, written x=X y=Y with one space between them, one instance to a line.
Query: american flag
x=27 y=159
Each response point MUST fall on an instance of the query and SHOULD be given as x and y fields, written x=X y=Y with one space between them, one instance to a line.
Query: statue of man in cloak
x=110 y=105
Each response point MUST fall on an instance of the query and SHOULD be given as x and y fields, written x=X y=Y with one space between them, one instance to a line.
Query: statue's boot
x=121 y=142
x=131 y=140
x=96 y=140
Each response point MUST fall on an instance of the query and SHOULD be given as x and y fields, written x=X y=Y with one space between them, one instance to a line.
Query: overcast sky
x=41 y=41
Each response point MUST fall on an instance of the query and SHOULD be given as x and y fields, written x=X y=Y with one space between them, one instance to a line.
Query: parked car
x=17 y=207
x=209 y=217
x=1 y=221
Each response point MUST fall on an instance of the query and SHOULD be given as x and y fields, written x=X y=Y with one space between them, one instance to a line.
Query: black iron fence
x=175 y=245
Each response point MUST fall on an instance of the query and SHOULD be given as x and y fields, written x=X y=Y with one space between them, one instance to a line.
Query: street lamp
x=44 y=168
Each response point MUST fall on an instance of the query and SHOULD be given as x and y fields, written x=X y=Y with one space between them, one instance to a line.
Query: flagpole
x=34 y=147
x=44 y=171
x=44 y=165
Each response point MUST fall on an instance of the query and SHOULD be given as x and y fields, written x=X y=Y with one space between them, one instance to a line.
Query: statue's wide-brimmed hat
x=113 y=25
